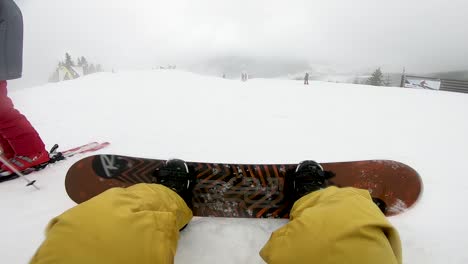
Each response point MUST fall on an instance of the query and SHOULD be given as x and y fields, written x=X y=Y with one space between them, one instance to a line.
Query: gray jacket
x=11 y=40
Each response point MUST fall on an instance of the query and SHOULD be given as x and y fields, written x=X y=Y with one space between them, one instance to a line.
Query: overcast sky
x=423 y=36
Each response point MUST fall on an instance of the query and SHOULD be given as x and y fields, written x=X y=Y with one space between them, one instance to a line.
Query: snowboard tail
x=245 y=190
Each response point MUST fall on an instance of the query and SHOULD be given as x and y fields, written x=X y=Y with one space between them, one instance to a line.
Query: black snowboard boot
x=175 y=175
x=381 y=204
x=308 y=177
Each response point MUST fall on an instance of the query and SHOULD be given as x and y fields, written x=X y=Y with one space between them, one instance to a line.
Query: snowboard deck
x=245 y=190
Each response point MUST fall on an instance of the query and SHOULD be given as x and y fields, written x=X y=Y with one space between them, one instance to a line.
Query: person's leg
x=334 y=225
x=138 y=224
x=5 y=104
x=16 y=129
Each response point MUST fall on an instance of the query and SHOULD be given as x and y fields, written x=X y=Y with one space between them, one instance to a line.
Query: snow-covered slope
x=165 y=114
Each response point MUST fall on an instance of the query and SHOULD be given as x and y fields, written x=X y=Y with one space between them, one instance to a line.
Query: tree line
x=69 y=63
x=376 y=79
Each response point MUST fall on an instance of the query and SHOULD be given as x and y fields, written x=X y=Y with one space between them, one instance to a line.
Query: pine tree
x=79 y=62
x=376 y=79
x=84 y=64
x=91 y=69
x=68 y=60
x=84 y=61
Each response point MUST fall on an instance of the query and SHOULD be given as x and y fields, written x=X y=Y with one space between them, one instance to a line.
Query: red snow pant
x=17 y=136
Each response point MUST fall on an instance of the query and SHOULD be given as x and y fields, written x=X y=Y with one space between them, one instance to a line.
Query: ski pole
x=17 y=172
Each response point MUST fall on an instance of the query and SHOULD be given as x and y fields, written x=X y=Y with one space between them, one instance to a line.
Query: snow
x=171 y=113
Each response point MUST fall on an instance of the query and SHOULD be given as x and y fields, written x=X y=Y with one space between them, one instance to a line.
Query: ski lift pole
x=17 y=172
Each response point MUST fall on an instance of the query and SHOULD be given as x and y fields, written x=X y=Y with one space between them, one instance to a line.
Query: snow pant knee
x=22 y=138
x=138 y=224
x=334 y=225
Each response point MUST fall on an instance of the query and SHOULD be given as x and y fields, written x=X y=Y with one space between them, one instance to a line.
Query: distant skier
x=141 y=223
x=20 y=142
x=244 y=76
x=306 y=79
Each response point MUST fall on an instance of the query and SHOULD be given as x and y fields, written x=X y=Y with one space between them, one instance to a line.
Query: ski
x=56 y=156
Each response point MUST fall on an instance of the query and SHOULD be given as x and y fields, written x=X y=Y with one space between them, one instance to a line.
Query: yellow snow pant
x=334 y=225
x=140 y=224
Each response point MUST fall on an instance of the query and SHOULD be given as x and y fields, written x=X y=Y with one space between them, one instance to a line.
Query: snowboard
x=245 y=190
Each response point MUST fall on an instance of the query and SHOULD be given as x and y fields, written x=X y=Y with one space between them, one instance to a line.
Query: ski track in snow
x=169 y=113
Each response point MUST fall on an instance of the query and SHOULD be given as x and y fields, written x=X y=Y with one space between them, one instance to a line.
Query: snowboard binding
x=381 y=204
x=176 y=175
x=308 y=177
